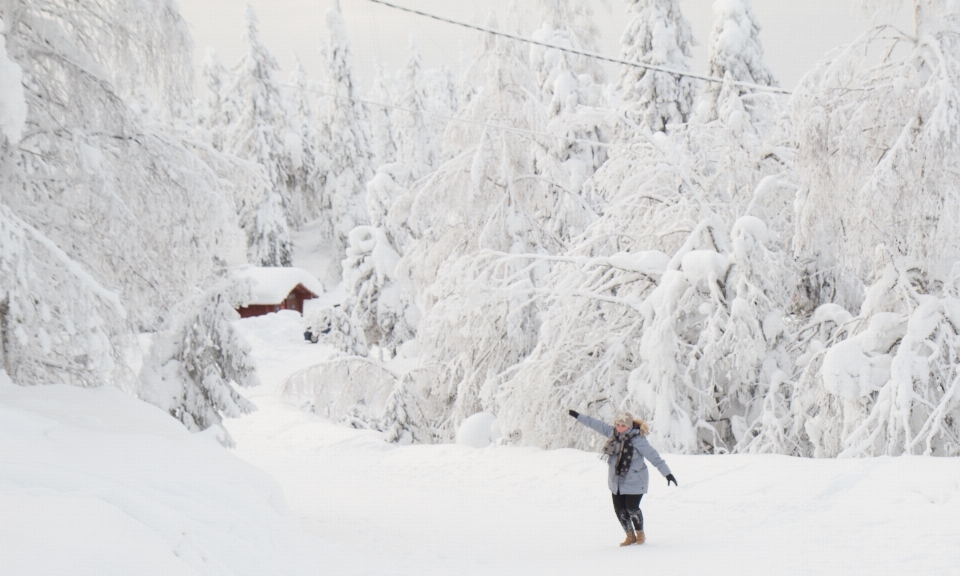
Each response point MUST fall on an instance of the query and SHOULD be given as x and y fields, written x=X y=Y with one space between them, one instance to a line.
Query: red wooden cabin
x=274 y=289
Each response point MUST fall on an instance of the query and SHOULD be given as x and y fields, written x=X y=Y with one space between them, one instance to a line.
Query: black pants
x=627 y=507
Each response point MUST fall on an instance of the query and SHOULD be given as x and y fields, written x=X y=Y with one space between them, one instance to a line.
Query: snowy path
x=448 y=509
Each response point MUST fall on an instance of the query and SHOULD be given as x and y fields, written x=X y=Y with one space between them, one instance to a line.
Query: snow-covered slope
x=95 y=482
x=449 y=509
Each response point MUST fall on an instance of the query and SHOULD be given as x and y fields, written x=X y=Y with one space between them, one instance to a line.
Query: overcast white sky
x=796 y=33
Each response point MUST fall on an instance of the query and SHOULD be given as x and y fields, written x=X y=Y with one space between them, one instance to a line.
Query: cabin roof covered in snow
x=272 y=285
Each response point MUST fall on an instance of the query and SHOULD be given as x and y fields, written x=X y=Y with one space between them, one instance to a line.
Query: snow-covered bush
x=886 y=380
x=197 y=360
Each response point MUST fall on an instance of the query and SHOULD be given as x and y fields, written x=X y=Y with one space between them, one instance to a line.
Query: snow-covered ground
x=95 y=482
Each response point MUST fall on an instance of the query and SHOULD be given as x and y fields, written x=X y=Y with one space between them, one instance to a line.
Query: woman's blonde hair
x=627 y=419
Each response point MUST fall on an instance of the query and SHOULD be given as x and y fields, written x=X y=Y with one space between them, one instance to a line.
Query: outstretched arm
x=652 y=456
x=593 y=423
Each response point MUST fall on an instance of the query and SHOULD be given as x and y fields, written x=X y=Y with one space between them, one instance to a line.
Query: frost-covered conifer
x=382 y=140
x=221 y=107
x=268 y=234
x=560 y=74
x=572 y=87
x=196 y=361
x=734 y=54
x=413 y=139
x=346 y=136
x=657 y=33
x=261 y=132
x=306 y=164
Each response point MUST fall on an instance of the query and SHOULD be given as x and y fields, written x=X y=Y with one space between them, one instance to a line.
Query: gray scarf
x=620 y=447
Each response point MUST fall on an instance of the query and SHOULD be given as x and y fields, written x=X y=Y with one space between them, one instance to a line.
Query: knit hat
x=625 y=419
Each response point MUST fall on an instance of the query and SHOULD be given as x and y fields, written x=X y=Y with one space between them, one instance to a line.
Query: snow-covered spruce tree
x=416 y=134
x=734 y=54
x=221 y=106
x=197 y=359
x=497 y=194
x=306 y=166
x=657 y=33
x=268 y=235
x=560 y=74
x=261 y=132
x=346 y=137
x=118 y=195
x=571 y=87
x=383 y=144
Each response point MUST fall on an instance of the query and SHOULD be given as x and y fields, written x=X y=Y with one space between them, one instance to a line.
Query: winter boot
x=631 y=539
x=640 y=537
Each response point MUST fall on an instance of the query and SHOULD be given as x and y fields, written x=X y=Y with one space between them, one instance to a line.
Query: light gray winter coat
x=637 y=478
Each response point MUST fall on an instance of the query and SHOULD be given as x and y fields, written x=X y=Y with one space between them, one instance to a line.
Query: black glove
x=574 y=413
x=670 y=479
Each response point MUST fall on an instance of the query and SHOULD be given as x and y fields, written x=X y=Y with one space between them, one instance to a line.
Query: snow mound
x=479 y=430
x=93 y=481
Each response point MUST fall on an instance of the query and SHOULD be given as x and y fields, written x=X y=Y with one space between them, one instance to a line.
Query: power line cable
x=582 y=52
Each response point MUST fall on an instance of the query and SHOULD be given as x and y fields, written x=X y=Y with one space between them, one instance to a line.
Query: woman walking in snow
x=628 y=477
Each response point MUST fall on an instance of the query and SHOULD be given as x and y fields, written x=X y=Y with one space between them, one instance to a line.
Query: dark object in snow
x=308 y=335
x=574 y=413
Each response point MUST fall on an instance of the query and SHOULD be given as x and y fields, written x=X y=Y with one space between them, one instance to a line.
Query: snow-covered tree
x=371 y=295
x=116 y=194
x=261 y=132
x=306 y=165
x=346 y=136
x=734 y=54
x=883 y=382
x=196 y=361
x=58 y=325
x=571 y=87
x=878 y=149
x=268 y=235
x=658 y=34
x=498 y=194
x=567 y=79
x=382 y=139
x=413 y=139
x=221 y=106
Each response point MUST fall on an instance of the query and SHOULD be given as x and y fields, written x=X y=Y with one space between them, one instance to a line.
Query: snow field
x=452 y=509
